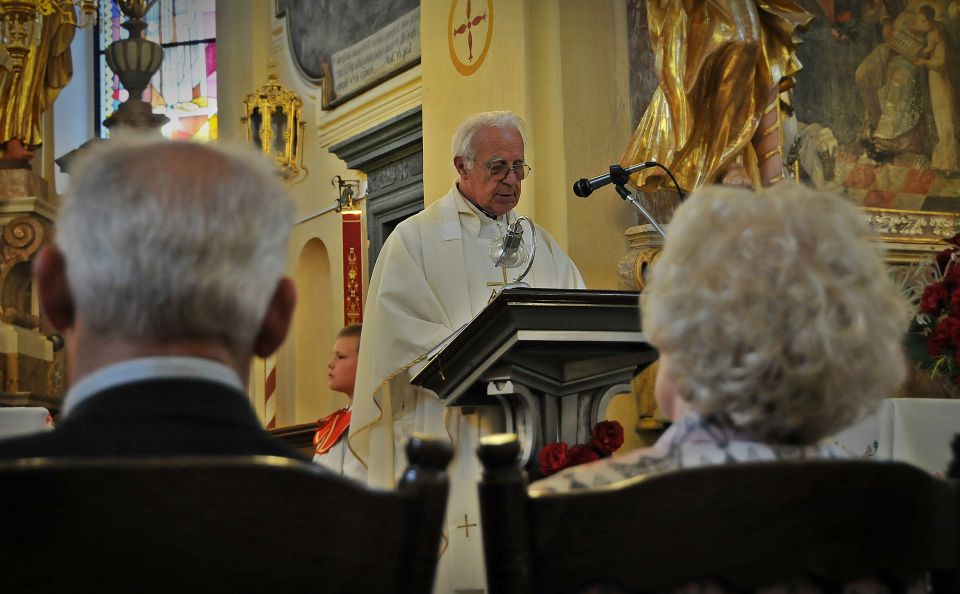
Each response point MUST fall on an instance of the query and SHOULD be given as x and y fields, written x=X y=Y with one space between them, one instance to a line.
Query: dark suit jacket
x=163 y=417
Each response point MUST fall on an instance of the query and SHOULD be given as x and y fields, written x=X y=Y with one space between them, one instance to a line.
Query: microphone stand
x=619 y=177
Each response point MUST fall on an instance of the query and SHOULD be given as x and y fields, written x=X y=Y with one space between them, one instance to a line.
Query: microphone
x=508 y=251
x=584 y=187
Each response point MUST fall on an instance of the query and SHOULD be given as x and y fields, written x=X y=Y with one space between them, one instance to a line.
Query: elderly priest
x=434 y=275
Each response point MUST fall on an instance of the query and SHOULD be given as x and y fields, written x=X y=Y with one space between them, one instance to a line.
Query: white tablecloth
x=914 y=430
x=22 y=420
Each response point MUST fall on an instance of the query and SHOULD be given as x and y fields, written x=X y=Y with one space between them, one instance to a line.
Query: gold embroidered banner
x=352 y=268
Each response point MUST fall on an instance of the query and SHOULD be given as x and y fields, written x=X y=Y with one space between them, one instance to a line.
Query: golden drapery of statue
x=34 y=78
x=6 y=71
x=715 y=116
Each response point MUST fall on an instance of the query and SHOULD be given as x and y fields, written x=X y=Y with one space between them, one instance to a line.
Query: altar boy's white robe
x=431 y=278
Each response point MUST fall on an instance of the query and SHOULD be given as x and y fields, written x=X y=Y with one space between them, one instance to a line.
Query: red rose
x=553 y=458
x=607 y=437
x=581 y=454
x=934 y=298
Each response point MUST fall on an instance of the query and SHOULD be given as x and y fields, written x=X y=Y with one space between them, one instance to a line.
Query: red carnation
x=945 y=333
x=954 y=303
x=934 y=297
x=607 y=437
x=553 y=458
x=581 y=454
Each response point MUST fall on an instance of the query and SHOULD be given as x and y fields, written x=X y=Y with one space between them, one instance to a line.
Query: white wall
x=73 y=117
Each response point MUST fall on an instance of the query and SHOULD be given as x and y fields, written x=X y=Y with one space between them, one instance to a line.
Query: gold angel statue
x=724 y=69
x=33 y=70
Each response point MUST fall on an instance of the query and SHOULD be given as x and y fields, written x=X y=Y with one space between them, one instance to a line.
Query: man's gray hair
x=463 y=139
x=173 y=241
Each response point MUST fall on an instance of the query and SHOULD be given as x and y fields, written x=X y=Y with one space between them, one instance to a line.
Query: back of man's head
x=170 y=242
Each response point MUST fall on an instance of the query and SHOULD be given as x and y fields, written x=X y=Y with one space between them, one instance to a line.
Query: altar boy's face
x=493 y=193
x=343 y=364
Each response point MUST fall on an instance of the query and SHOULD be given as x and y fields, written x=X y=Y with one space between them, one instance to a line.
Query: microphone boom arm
x=629 y=197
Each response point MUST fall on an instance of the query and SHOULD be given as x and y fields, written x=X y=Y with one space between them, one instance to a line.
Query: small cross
x=499 y=284
x=466 y=526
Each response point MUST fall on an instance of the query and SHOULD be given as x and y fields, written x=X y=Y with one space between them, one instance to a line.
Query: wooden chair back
x=743 y=526
x=218 y=524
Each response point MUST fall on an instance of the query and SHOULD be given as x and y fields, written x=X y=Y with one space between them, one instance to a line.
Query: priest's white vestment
x=431 y=278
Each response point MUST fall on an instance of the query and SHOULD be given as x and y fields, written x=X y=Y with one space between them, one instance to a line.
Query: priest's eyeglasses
x=499 y=169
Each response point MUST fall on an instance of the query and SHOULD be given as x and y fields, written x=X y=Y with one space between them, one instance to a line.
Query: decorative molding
x=911 y=224
x=394 y=97
x=402 y=171
x=909 y=236
x=22 y=237
x=384 y=143
x=644 y=245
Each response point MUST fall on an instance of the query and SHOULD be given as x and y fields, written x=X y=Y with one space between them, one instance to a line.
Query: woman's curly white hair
x=776 y=315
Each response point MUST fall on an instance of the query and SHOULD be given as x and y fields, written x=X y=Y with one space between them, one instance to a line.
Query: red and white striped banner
x=270 y=392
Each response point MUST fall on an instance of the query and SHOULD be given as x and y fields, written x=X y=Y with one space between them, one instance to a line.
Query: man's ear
x=50 y=275
x=277 y=321
x=461 y=166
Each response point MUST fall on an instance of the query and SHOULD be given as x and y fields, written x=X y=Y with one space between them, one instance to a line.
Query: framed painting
x=349 y=46
x=877 y=110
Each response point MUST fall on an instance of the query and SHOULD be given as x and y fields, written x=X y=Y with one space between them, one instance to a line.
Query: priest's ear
x=276 y=322
x=50 y=275
x=461 y=164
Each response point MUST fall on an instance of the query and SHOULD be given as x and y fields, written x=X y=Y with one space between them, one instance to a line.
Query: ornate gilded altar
x=31 y=372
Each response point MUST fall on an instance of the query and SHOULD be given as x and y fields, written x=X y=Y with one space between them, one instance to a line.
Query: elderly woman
x=777 y=326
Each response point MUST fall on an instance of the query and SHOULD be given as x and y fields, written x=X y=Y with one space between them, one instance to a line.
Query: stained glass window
x=185 y=87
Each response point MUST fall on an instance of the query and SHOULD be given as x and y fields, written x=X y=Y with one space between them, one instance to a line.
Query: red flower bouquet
x=607 y=438
x=934 y=337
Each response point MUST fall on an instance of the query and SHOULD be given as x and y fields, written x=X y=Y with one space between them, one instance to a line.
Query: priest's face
x=495 y=148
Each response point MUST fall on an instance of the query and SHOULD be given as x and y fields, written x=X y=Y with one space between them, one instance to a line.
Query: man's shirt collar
x=149 y=368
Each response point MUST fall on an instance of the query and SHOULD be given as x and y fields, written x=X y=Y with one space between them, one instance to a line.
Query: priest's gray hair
x=463 y=139
x=777 y=317
x=174 y=241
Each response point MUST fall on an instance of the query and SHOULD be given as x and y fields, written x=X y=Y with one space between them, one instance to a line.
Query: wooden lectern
x=551 y=358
